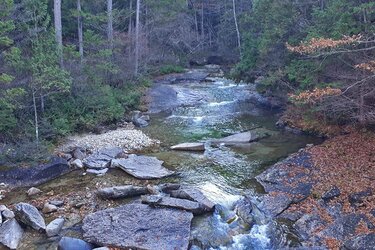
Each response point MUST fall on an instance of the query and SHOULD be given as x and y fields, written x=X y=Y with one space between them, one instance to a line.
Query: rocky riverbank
x=327 y=192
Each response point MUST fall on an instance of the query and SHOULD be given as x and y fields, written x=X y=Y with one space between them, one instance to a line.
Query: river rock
x=169 y=202
x=11 y=234
x=168 y=187
x=2 y=208
x=194 y=195
x=366 y=241
x=68 y=243
x=33 y=191
x=189 y=146
x=143 y=167
x=139 y=226
x=77 y=163
x=241 y=138
x=34 y=176
x=54 y=227
x=244 y=209
x=79 y=154
x=8 y=214
x=99 y=172
x=30 y=216
x=49 y=208
x=97 y=161
x=57 y=203
x=122 y=192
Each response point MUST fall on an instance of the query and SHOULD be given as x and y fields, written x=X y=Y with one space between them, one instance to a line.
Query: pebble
x=49 y=208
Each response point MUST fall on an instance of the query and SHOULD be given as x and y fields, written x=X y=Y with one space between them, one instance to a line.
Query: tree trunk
x=80 y=29
x=237 y=29
x=137 y=24
x=130 y=26
x=58 y=29
x=36 y=119
x=110 y=23
x=202 y=20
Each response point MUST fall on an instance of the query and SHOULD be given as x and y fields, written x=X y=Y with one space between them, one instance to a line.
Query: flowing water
x=205 y=111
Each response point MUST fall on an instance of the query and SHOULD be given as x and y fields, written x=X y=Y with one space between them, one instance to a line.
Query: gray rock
x=97 y=161
x=54 y=227
x=34 y=176
x=101 y=248
x=366 y=241
x=57 y=203
x=170 y=202
x=68 y=243
x=241 y=138
x=112 y=152
x=167 y=187
x=78 y=154
x=30 y=216
x=77 y=163
x=272 y=206
x=143 y=167
x=2 y=208
x=49 y=208
x=138 y=119
x=99 y=172
x=194 y=195
x=189 y=146
x=139 y=226
x=11 y=234
x=122 y=192
x=33 y=191
x=244 y=210
x=307 y=225
x=8 y=214
x=331 y=194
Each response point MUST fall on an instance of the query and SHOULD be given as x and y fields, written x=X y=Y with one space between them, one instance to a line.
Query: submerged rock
x=241 y=138
x=68 y=243
x=139 y=226
x=143 y=167
x=189 y=146
x=11 y=234
x=30 y=216
x=122 y=192
x=170 y=202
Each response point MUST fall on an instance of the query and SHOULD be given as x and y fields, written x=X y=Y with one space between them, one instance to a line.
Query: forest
x=187 y=124
x=69 y=66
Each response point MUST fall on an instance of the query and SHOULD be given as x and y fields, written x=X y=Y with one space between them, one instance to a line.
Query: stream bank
x=197 y=107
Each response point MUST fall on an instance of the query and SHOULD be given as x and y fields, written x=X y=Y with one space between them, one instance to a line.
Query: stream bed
x=201 y=111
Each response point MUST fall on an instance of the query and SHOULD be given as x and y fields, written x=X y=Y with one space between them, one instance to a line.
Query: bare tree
x=237 y=29
x=58 y=29
x=137 y=27
x=80 y=29
x=110 y=23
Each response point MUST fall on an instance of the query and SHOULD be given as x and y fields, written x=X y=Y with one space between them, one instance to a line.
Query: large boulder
x=11 y=234
x=122 y=192
x=189 y=146
x=169 y=202
x=139 y=226
x=143 y=167
x=29 y=215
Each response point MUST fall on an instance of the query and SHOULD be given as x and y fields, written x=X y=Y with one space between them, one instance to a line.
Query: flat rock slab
x=122 y=192
x=157 y=201
x=34 y=176
x=139 y=226
x=143 y=167
x=189 y=146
